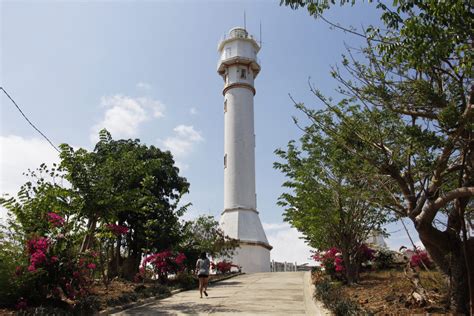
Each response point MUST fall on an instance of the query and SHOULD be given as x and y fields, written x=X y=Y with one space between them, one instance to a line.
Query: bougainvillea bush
x=51 y=269
x=420 y=259
x=162 y=264
x=333 y=263
x=224 y=266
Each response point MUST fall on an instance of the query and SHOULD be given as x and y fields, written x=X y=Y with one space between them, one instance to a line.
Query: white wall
x=239 y=175
x=252 y=259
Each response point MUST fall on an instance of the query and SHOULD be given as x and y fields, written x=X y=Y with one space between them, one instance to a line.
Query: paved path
x=280 y=293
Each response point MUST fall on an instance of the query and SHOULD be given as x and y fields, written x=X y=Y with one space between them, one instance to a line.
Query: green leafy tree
x=204 y=235
x=134 y=186
x=329 y=199
x=407 y=110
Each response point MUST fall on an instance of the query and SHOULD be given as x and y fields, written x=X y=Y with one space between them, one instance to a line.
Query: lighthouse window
x=225 y=161
x=228 y=52
x=243 y=73
x=225 y=105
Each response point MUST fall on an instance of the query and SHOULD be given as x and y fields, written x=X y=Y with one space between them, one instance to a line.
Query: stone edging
x=149 y=300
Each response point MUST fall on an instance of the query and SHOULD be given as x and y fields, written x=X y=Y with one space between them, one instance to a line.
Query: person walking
x=202 y=271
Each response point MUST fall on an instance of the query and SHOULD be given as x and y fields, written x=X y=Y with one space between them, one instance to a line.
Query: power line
x=23 y=114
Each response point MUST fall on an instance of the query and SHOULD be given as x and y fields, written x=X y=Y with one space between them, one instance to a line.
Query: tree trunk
x=131 y=266
x=86 y=242
x=350 y=265
x=447 y=253
x=115 y=260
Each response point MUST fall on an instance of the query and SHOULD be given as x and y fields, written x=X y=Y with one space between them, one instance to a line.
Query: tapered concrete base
x=253 y=254
x=252 y=258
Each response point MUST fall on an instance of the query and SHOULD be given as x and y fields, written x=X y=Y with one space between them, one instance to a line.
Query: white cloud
x=143 y=85
x=182 y=166
x=193 y=111
x=17 y=155
x=287 y=244
x=183 y=141
x=124 y=115
x=274 y=226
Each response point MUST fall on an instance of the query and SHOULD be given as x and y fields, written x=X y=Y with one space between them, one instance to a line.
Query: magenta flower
x=180 y=258
x=18 y=270
x=55 y=219
x=22 y=304
x=38 y=244
x=117 y=230
x=91 y=266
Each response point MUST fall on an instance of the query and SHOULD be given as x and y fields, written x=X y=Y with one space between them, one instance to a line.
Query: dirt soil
x=387 y=292
x=115 y=289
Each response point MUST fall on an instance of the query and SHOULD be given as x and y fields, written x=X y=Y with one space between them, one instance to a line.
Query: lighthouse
x=239 y=66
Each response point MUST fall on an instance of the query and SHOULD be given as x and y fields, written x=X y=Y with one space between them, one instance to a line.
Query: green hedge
x=331 y=295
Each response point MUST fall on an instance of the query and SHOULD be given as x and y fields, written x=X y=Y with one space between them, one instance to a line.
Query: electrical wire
x=26 y=118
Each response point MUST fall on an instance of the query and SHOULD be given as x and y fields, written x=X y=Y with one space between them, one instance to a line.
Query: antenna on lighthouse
x=245 y=21
x=260 y=33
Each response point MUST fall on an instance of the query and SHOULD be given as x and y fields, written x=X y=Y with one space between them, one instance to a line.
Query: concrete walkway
x=280 y=293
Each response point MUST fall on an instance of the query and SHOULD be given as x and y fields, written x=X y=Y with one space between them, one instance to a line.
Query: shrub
x=186 y=281
x=420 y=258
x=163 y=263
x=9 y=261
x=87 y=305
x=333 y=264
x=159 y=289
x=384 y=259
x=331 y=261
x=224 y=266
x=366 y=253
x=330 y=294
x=43 y=311
x=49 y=268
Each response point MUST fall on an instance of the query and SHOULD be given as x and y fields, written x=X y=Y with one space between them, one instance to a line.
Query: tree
x=330 y=201
x=133 y=185
x=407 y=110
x=43 y=193
x=203 y=234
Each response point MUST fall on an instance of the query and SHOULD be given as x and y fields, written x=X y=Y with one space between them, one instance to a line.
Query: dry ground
x=386 y=293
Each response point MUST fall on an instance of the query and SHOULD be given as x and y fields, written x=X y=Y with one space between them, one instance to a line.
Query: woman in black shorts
x=202 y=271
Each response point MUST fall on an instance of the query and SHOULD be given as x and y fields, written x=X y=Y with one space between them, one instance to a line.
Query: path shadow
x=179 y=308
x=227 y=283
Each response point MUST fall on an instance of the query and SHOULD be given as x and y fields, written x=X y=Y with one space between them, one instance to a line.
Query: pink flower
x=22 y=304
x=180 y=258
x=420 y=258
x=91 y=266
x=55 y=219
x=81 y=262
x=18 y=270
x=36 y=259
x=117 y=229
x=54 y=259
x=38 y=243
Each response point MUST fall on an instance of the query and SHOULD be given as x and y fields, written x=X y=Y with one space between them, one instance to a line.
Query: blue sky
x=147 y=69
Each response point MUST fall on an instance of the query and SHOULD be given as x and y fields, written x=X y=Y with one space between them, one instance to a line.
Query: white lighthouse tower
x=238 y=66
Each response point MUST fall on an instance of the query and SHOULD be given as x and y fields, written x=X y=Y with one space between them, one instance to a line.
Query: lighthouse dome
x=238 y=32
